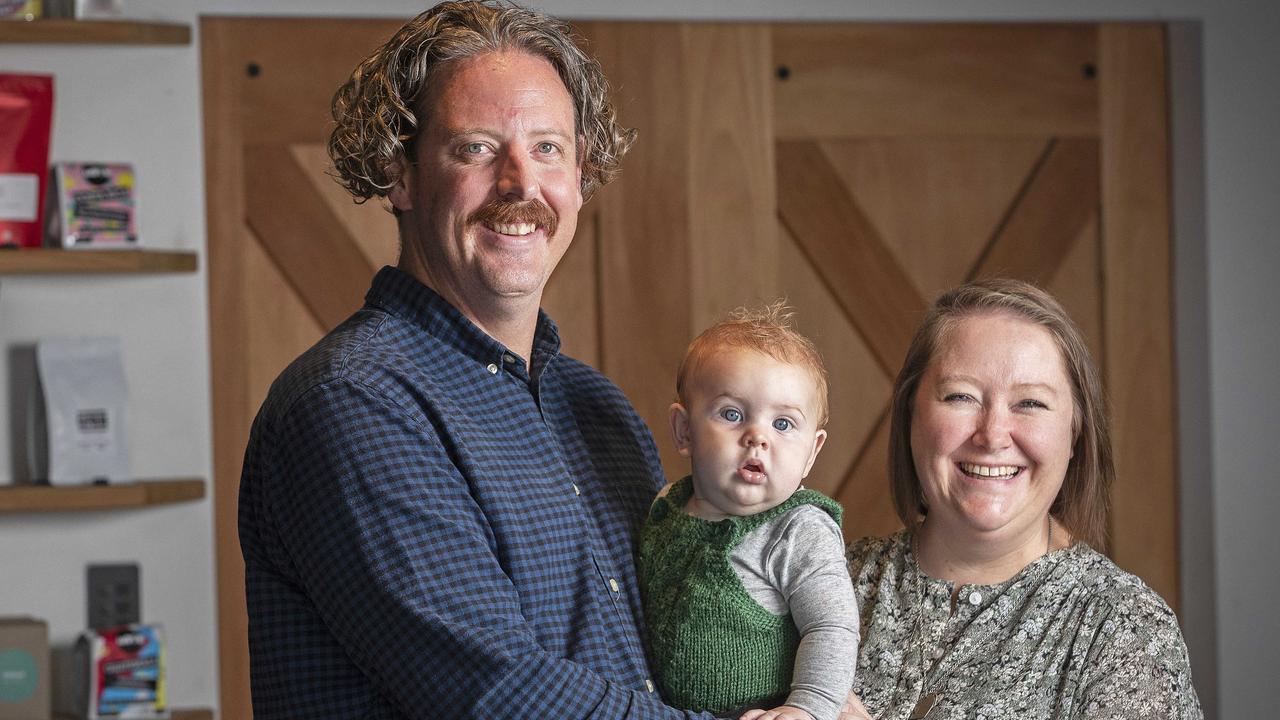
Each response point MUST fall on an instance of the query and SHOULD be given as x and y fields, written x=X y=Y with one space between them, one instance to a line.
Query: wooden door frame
x=228 y=335
x=1139 y=300
x=1135 y=234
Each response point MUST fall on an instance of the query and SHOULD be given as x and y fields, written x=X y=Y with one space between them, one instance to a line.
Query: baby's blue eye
x=782 y=424
x=731 y=414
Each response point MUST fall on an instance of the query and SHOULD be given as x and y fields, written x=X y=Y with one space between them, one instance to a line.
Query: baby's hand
x=782 y=712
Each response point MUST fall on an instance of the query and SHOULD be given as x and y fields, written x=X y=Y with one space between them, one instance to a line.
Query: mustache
x=504 y=212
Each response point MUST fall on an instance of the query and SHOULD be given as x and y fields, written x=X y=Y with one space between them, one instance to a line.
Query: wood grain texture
x=370 y=225
x=865 y=492
x=279 y=326
x=645 y=236
x=1060 y=199
x=74 y=498
x=228 y=330
x=1136 y=246
x=869 y=79
x=300 y=63
x=733 y=251
x=937 y=201
x=857 y=387
x=848 y=252
x=42 y=261
x=572 y=295
x=302 y=236
x=1077 y=284
x=95 y=32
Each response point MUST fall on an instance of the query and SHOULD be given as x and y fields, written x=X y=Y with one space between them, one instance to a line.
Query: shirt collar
x=404 y=296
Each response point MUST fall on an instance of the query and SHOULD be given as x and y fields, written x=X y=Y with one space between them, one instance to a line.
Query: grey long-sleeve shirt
x=795 y=563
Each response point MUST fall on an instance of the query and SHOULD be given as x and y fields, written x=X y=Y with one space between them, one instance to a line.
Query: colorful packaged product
x=82 y=9
x=124 y=670
x=19 y=9
x=26 y=122
x=91 y=205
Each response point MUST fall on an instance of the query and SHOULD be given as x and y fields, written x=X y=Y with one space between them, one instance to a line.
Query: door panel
x=939 y=198
x=302 y=235
x=280 y=328
x=1036 y=136
x=859 y=387
x=373 y=232
x=934 y=79
x=856 y=169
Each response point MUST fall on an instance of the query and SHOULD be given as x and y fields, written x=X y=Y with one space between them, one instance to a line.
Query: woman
x=992 y=602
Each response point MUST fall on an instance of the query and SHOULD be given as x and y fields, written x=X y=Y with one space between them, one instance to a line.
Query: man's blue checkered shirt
x=431 y=531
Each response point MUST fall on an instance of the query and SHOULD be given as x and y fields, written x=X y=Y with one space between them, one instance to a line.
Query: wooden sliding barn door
x=856 y=169
x=862 y=169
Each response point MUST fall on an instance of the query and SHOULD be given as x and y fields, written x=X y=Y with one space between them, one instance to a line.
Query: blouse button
x=576 y=491
x=613 y=584
x=975 y=598
x=648 y=684
x=493 y=369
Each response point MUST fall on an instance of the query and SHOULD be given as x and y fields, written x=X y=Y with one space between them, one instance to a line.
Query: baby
x=746 y=596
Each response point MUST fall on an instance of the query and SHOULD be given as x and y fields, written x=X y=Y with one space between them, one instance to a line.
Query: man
x=437 y=509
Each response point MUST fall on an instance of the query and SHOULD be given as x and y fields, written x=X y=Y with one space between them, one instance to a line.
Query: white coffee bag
x=82 y=380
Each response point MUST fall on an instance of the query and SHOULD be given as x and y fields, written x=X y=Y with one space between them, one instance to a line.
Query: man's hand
x=853 y=709
x=782 y=712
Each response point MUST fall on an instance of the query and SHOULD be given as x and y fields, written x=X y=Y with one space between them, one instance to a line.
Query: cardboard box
x=24 y=669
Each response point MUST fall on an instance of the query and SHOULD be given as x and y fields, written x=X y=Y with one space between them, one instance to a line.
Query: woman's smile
x=991 y=433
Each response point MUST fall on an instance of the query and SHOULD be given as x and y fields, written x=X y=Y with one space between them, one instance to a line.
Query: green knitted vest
x=711 y=646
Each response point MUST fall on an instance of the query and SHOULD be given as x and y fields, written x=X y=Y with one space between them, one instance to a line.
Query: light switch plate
x=115 y=597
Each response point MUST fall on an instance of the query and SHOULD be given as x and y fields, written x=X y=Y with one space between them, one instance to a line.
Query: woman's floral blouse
x=1071 y=636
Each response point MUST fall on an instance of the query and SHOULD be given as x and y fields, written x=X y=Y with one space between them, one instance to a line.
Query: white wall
x=1226 y=175
x=138 y=105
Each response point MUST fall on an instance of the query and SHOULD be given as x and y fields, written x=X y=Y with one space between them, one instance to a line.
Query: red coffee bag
x=26 y=123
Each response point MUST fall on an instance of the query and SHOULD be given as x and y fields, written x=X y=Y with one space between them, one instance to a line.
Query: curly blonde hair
x=378 y=109
x=767 y=330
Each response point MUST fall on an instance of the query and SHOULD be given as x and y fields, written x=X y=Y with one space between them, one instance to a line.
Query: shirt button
x=613 y=585
x=975 y=598
x=576 y=491
x=493 y=369
x=649 y=684
x=509 y=358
